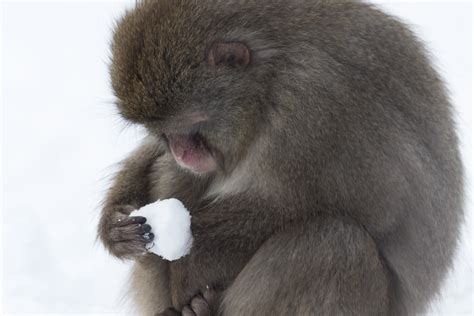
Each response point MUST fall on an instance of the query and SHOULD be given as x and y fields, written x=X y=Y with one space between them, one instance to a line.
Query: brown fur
x=339 y=186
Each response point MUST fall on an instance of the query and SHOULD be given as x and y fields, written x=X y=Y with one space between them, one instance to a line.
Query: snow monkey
x=313 y=144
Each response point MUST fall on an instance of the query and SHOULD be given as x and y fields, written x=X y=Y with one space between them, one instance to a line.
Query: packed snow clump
x=170 y=222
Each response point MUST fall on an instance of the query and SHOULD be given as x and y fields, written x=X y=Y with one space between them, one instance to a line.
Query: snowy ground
x=61 y=139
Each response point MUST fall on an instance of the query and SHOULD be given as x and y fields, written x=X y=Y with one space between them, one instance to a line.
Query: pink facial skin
x=191 y=154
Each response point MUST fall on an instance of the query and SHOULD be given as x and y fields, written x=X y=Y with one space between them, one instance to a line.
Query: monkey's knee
x=353 y=276
x=327 y=268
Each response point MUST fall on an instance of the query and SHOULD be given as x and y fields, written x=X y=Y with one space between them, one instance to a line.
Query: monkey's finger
x=145 y=228
x=124 y=233
x=200 y=307
x=120 y=213
x=187 y=311
x=147 y=238
x=131 y=232
x=129 y=220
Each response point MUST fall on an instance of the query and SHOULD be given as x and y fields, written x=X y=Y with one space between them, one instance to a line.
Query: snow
x=61 y=140
x=170 y=222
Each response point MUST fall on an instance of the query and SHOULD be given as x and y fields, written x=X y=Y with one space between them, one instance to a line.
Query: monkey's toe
x=200 y=306
x=187 y=311
x=210 y=296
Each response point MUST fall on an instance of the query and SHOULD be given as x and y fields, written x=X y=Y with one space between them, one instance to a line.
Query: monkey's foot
x=200 y=305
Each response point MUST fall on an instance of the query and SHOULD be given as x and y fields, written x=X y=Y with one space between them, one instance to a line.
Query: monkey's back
x=370 y=128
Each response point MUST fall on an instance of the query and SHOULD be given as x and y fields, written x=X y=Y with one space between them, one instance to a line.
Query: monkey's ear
x=231 y=54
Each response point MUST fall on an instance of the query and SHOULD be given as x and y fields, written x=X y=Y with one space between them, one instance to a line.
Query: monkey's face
x=188 y=83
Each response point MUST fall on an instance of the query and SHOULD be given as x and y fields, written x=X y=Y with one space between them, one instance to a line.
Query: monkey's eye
x=231 y=54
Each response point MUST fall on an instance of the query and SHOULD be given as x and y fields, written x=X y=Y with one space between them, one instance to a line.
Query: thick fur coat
x=338 y=187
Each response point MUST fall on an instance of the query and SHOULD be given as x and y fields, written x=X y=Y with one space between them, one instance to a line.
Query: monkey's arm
x=122 y=235
x=327 y=267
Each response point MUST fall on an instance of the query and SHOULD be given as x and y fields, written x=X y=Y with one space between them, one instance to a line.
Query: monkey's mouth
x=192 y=152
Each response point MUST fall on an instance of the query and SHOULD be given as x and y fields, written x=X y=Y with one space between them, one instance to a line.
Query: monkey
x=313 y=143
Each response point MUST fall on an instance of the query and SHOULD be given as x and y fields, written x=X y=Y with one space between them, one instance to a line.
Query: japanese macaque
x=311 y=140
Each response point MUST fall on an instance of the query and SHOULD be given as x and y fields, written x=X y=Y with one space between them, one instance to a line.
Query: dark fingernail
x=146 y=228
x=138 y=219
x=148 y=236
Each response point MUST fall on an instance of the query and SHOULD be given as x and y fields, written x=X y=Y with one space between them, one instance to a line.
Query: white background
x=61 y=139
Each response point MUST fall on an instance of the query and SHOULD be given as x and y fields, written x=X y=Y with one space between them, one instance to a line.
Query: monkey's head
x=190 y=79
x=301 y=81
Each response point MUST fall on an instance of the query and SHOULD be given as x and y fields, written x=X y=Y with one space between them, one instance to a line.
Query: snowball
x=170 y=222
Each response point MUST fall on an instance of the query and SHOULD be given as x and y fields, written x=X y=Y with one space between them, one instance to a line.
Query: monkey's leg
x=327 y=267
x=149 y=285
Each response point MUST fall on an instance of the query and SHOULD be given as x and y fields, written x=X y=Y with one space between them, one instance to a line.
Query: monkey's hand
x=200 y=305
x=125 y=236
